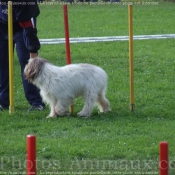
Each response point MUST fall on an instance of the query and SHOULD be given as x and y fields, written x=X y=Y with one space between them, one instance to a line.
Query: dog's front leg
x=52 y=111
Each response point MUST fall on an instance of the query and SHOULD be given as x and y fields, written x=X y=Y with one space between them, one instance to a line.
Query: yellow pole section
x=131 y=61
x=10 y=47
x=71 y=109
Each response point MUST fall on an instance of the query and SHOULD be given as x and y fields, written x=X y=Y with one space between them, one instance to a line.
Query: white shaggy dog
x=59 y=86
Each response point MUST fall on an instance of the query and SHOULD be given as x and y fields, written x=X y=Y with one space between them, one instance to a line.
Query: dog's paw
x=51 y=116
x=67 y=113
x=62 y=114
x=83 y=115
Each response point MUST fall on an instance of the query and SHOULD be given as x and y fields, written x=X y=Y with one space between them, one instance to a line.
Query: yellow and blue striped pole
x=131 y=59
x=10 y=53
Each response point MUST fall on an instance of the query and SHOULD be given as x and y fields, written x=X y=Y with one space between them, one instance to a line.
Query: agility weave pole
x=163 y=158
x=10 y=54
x=131 y=59
x=66 y=29
x=31 y=155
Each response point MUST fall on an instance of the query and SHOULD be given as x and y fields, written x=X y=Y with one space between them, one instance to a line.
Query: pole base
x=11 y=110
x=132 y=107
x=71 y=109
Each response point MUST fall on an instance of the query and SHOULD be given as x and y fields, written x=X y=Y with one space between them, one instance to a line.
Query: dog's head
x=33 y=68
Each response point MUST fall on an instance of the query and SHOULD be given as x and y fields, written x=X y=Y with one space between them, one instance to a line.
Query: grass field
x=119 y=142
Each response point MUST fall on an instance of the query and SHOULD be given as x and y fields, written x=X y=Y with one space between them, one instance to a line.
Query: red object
x=163 y=161
x=66 y=29
x=31 y=155
x=26 y=24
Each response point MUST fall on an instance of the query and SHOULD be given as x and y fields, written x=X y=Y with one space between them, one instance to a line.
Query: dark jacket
x=23 y=10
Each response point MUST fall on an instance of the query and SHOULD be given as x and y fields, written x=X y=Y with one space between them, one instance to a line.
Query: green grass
x=120 y=141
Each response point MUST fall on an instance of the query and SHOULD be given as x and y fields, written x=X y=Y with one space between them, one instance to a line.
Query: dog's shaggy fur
x=59 y=86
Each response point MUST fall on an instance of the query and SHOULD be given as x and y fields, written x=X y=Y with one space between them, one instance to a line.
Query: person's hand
x=33 y=55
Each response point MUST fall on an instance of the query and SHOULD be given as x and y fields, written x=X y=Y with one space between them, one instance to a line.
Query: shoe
x=1 y=108
x=36 y=108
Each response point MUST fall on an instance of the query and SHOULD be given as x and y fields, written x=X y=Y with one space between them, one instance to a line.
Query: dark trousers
x=31 y=92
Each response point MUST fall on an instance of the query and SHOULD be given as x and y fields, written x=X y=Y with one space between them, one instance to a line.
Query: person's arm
x=30 y=37
x=24 y=15
x=33 y=55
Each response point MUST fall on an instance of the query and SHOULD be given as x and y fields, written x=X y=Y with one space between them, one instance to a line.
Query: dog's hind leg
x=61 y=108
x=90 y=100
x=103 y=103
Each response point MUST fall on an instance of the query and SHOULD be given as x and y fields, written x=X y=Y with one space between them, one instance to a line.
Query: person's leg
x=4 y=70
x=31 y=92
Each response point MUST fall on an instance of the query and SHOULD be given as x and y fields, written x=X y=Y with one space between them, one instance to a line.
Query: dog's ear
x=32 y=69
